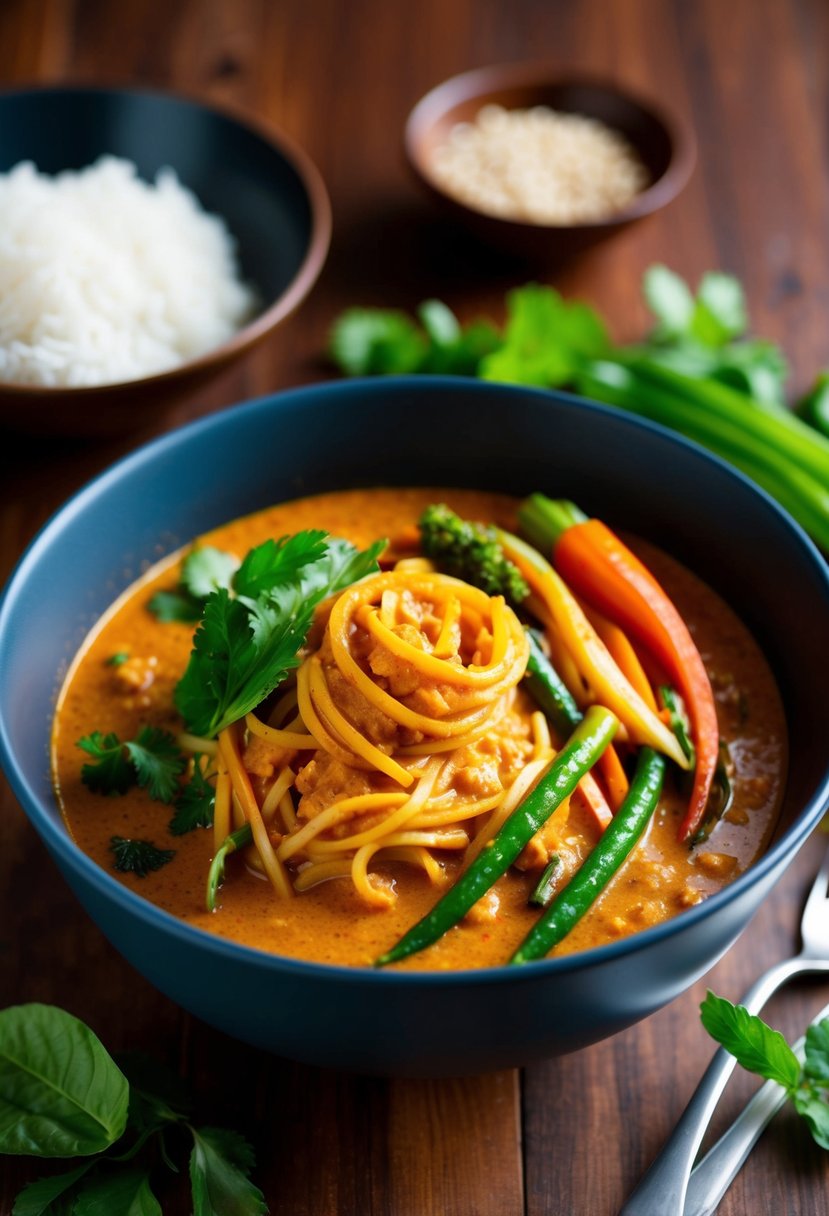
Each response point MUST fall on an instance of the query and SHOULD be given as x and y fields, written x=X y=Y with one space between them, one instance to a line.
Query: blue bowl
x=361 y=433
x=264 y=187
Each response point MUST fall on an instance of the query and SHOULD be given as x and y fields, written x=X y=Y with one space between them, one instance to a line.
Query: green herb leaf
x=670 y=299
x=158 y=762
x=545 y=339
x=118 y=659
x=245 y=647
x=219 y=1165
x=753 y=1043
x=111 y=773
x=812 y=1105
x=376 y=342
x=816 y=1067
x=50 y=1196
x=721 y=309
x=276 y=563
x=126 y=1193
x=194 y=803
x=169 y=606
x=61 y=1094
x=138 y=857
x=439 y=322
x=205 y=569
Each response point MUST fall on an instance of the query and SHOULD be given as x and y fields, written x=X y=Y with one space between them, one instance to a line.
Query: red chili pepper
x=598 y=566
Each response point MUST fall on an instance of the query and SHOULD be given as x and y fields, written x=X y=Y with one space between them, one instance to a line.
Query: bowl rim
x=481 y=82
x=319 y=240
x=58 y=839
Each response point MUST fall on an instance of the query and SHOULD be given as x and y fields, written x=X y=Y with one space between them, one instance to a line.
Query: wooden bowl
x=663 y=142
x=268 y=192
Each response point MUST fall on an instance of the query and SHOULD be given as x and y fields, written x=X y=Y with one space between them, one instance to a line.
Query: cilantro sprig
x=117 y=1117
x=138 y=857
x=764 y=1051
x=250 y=634
x=152 y=760
x=697 y=372
x=203 y=570
x=195 y=803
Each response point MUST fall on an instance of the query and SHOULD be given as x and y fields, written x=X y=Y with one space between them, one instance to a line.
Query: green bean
x=621 y=834
x=577 y=756
x=548 y=690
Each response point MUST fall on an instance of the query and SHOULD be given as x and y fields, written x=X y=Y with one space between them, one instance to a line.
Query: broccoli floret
x=470 y=551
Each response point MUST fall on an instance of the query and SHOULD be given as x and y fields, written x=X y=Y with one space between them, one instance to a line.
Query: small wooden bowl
x=664 y=143
x=267 y=191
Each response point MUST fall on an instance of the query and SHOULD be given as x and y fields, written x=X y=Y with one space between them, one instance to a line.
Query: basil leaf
x=219 y=1165
x=50 y=1196
x=61 y=1094
x=813 y=1107
x=816 y=1067
x=126 y=1193
x=753 y=1044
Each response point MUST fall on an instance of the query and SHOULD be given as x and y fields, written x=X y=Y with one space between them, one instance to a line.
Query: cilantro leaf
x=167 y=606
x=245 y=646
x=111 y=772
x=118 y=659
x=670 y=299
x=376 y=342
x=50 y=1196
x=751 y=1041
x=545 y=339
x=138 y=857
x=277 y=562
x=219 y=1167
x=205 y=569
x=720 y=313
x=194 y=803
x=158 y=762
x=125 y=1193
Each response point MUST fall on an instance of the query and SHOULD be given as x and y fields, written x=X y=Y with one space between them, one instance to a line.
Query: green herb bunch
x=764 y=1051
x=63 y=1096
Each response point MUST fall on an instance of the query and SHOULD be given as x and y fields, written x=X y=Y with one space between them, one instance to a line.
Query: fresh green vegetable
x=194 y=803
x=203 y=571
x=152 y=760
x=216 y=874
x=138 y=857
x=62 y=1095
x=544 y=891
x=249 y=636
x=118 y=659
x=471 y=552
x=612 y=849
x=376 y=342
x=678 y=720
x=548 y=690
x=576 y=757
x=720 y=798
x=764 y=1051
x=814 y=407
x=696 y=373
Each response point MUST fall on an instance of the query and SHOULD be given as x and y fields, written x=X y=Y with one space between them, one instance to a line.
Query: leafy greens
x=250 y=634
x=764 y=1051
x=152 y=760
x=62 y=1095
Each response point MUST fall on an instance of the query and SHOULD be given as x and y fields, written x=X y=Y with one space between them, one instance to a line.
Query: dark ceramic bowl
x=664 y=488
x=665 y=145
x=268 y=192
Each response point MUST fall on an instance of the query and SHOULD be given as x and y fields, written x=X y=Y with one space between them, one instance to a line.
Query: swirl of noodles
x=414 y=727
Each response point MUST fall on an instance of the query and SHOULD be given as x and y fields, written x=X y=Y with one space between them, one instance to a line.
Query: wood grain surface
x=571 y=1136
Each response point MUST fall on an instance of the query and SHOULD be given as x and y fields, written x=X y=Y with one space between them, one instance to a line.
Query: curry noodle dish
x=421 y=728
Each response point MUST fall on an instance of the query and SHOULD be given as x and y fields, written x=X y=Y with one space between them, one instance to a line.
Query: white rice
x=105 y=278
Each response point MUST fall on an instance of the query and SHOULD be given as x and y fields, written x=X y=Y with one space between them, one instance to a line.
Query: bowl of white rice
x=539 y=165
x=146 y=241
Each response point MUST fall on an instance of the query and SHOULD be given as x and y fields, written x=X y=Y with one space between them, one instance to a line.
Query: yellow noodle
x=399 y=817
x=274 y=795
x=286 y=810
x=195 y=743
x=320 y=871
x=516 y=793
x=244 y=791
x=351 y=737
x=346 y=808
x=286 y=739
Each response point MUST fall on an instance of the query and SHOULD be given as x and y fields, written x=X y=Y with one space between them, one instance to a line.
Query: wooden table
x=572 y=1135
